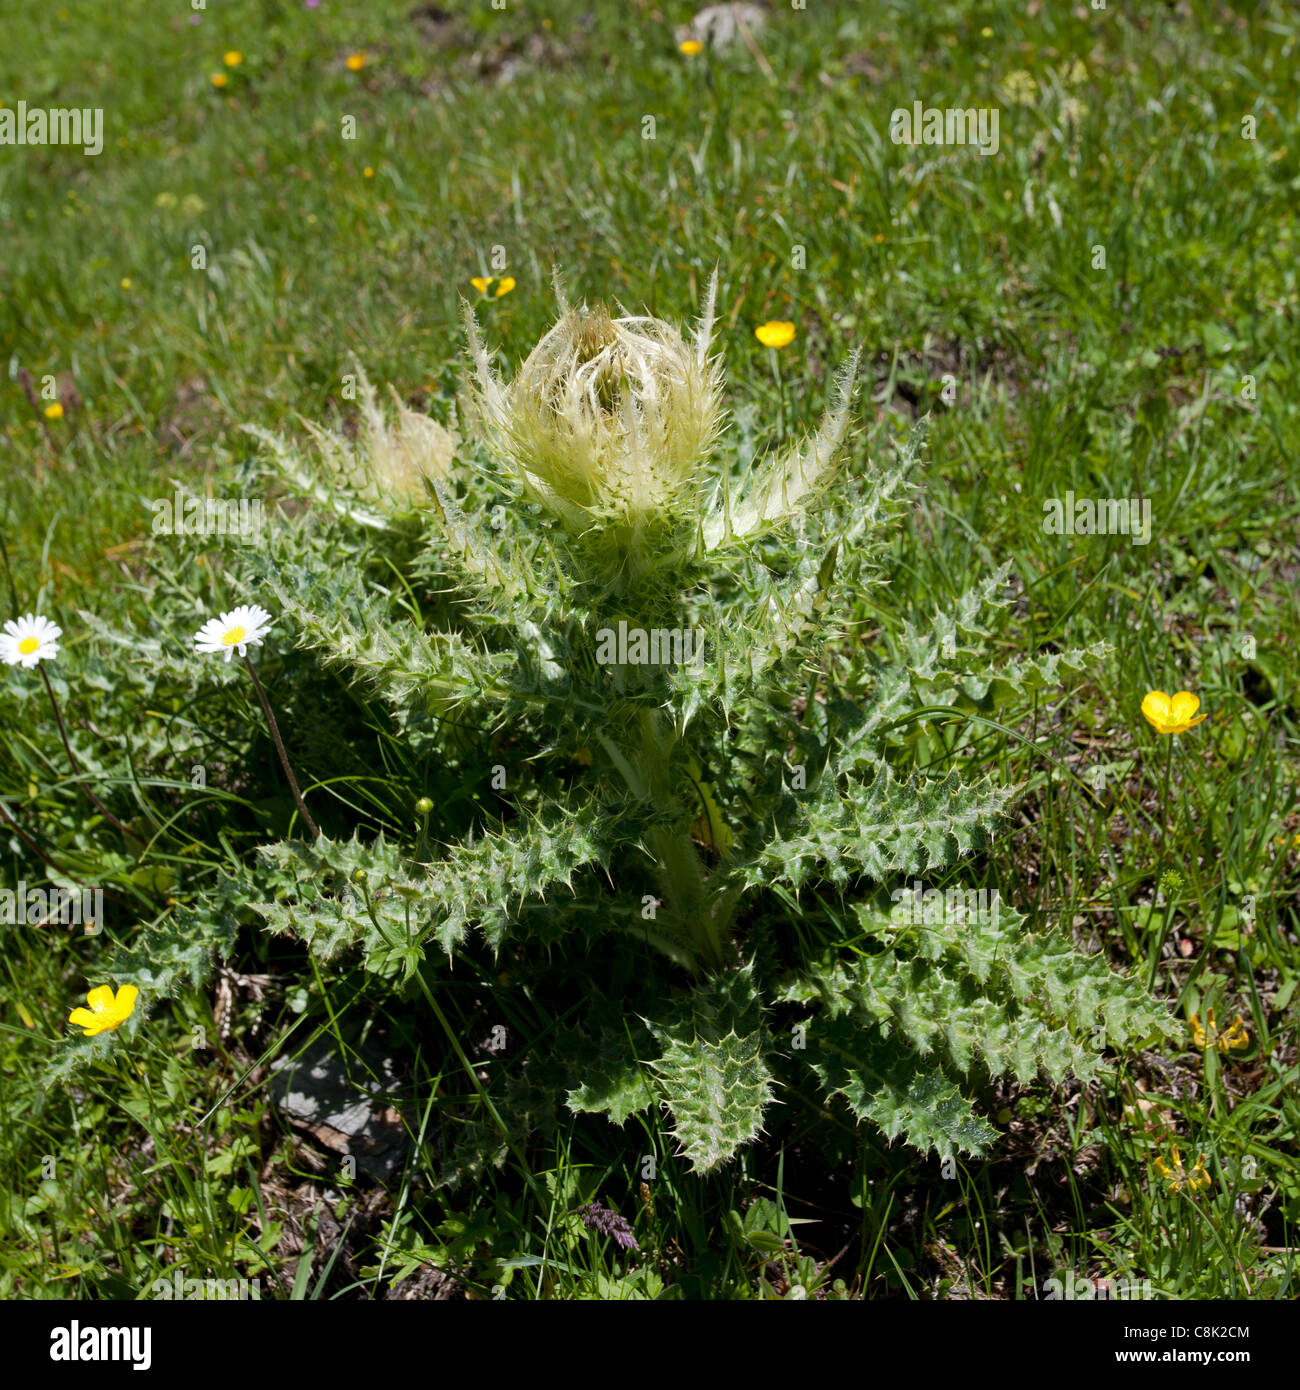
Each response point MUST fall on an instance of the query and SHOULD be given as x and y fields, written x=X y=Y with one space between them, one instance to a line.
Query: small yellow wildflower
x=1019 y=87
x=690 y=47
x=986 y=32
x=356 y=61
x=498 y=287
x=1178 y=1177
x=105 y=1012
x=126 y=282
x=368 y=172
x=218 y=79
x=233 y=58
x=1235 y=1035
x=54 y=411
x=777 y=333
x=1171 y=715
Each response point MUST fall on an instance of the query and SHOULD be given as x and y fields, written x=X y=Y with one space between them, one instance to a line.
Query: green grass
x=490 y=129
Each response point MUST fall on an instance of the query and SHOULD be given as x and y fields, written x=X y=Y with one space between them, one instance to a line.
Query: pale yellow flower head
x=609 y=418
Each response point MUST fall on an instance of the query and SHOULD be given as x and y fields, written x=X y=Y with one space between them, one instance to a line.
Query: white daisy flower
x=237 y=630
x=29 y=639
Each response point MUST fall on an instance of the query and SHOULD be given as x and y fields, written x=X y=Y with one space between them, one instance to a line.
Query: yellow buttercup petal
x=1155 y=706
x=83 y=1018
x=101 y=999
x=505 y=285
x=125 y=1001
x=1183 y=706
x=480 y=284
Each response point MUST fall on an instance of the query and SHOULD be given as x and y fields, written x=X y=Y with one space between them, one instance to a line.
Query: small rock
x=347 y=1110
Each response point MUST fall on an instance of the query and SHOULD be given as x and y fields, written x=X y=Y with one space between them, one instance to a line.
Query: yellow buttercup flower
x=777 y=333
x=1233 y=1036
x=690 y=47
x=1178 y=1177
x=502 y=286
x=1171 y=715
x=233 y=58
x=106 y=1011
x=218 y=79
x=356 y=61
x=54 y=412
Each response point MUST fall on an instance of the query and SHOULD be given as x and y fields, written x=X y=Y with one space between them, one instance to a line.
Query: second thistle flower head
x=610 y=418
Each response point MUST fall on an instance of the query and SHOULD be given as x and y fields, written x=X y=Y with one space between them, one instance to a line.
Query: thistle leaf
x=713 y=1072
x=884 y=1083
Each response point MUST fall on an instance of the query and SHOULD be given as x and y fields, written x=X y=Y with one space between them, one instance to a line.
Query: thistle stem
x=76 y=770
x=279 y=748
x=678 y=862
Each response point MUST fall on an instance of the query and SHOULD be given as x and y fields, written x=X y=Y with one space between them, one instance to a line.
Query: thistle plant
x=744 y=804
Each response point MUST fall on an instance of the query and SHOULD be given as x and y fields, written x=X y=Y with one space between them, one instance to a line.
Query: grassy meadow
x=1104 y=308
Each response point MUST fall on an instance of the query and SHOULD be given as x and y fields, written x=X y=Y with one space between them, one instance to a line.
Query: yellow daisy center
x=28 y=645
x=235 y=636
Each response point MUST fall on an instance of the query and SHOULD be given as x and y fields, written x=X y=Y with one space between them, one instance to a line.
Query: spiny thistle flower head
x=384 y=472
x=610 y=419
